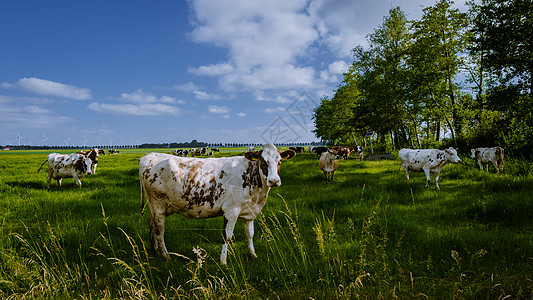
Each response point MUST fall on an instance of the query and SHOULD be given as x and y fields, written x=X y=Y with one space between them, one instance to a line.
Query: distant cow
x=319 y=150
x=215 y=149
x=93 y=155
x=297 y=149
x=180 y=152
x=427 y=161
x=113 y=151
x=233 y=187
x=484 y=156
x=66 y=166
x=328 y=163
x=359 y=152
x=251 y=149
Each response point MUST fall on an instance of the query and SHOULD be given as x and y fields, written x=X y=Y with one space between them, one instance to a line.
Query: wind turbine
x=19 y=137
x=66 y=141
x=44 y=139
x=84 y=140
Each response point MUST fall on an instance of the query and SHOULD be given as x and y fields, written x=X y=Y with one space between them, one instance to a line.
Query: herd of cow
x=236 y=187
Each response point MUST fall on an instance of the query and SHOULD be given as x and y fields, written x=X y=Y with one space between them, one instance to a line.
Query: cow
x=427 y=161
x=319 y=150
x=215 y=149
x=328 y=163
x=297 y=149
x=484 y=156
x=342 y=151
x=359 y=152
x=113 y=151
x=251 y=149
x=93 y=155
x=198 y=188
x=65 y=166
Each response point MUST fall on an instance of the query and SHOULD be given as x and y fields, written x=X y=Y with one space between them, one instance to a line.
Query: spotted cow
x=66 y=166
x=232 y=187
x=427 y=161
x=484 y=156
x=93 y=155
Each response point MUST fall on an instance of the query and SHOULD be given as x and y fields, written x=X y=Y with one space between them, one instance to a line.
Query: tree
x=438 y=40
x=503 y=33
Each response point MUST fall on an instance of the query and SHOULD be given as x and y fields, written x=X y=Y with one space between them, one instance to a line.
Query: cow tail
x=41 y=166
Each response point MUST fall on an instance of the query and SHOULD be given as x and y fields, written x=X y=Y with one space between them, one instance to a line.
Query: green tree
x=438 y=40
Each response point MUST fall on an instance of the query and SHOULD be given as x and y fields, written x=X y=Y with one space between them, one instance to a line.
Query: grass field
x=370 y=234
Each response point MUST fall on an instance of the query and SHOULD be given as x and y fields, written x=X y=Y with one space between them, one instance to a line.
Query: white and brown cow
x=359 y=151
x=484 y=156
x=233 y=187
x=427 y=161
x=328 y=163
x=93 y=155
x=66 y=166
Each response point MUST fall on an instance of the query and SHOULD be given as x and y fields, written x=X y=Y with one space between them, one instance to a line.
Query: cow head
x=83 y=164
x=270 y=162
x=473 y=153
x=452 y=155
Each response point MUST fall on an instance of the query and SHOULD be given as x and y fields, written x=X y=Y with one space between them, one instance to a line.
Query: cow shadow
x=29 y=184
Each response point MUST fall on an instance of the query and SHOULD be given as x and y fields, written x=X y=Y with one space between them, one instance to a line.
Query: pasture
x=370 y=234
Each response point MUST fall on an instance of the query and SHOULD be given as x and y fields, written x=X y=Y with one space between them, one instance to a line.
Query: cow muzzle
x=274 y=182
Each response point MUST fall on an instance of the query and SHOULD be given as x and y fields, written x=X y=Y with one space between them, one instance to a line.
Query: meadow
x=368 y=235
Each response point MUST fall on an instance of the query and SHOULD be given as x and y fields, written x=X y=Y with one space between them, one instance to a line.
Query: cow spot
x=251 y=177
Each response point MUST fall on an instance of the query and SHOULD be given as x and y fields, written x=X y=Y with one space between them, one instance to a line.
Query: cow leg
x=437 y=181
x=94 y=169
x=59 y=181
x=332 y=176
x=249 y=232
x=78 y=181
x=157 y=231
x=406 y=170
x=495 y=164
x=480 y=165
x=48 y=181
x=428 y=179
x=229 y=224
x=326 y=176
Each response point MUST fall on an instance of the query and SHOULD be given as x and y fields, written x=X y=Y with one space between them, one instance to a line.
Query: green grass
x=370 y=234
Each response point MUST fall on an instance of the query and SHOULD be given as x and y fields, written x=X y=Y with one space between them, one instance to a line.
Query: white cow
x=484 y=156
x=233 y=187
x=427 y=161
x=328 y=163
x=65 y=166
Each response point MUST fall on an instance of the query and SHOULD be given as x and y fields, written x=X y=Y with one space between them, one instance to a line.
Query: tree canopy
x=451 y=77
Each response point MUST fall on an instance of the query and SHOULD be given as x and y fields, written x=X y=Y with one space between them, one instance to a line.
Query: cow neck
x=252 y=177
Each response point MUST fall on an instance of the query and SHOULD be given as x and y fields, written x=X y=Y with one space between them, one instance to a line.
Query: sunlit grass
x=369 y=234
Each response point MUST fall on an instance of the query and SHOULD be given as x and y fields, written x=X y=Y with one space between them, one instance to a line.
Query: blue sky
x=133 y=72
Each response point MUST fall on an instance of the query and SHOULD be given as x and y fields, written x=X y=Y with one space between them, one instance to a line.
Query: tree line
x=451 y=78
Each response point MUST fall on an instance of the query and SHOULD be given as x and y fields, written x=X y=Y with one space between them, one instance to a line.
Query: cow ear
x=288 y=154
x=251 y=155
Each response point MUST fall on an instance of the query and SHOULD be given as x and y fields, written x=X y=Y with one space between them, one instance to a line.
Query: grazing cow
x=233 y=187
x=297 y=149
x=427 y=161
x=251 y=149
x=359 y=152
x=215 y=149
x=328 y=163
x=180 y=152
x=93 y=155
x=113 y=151
x=101 y=151
x=319 y=150
x=484 y=156
x=65 y=166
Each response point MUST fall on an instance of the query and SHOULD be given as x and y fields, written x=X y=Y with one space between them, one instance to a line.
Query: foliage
x=406 y=84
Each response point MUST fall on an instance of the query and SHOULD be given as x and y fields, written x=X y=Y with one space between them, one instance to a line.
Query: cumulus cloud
x=215 y=109
x=16 y=116
x=191 y=87
x=241 y=115
x=49 y=88
x=264 y=41
x=150 y=109
x=140 y=104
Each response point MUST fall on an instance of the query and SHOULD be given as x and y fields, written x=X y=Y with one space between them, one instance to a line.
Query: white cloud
x=264 y=40
x=241 y=115
x=16 y=116
x=191 y=87
x=49 y=88
x=150 y=109
x=215 y=109
x=274 y=110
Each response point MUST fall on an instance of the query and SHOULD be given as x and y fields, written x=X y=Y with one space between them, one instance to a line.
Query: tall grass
x=369 y=234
